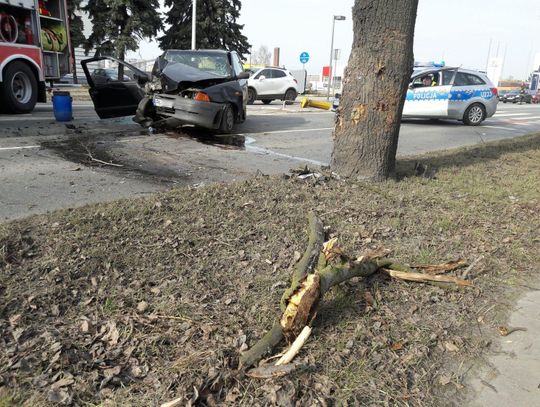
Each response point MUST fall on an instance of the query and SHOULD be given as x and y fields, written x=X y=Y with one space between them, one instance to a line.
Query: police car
x=451 y=93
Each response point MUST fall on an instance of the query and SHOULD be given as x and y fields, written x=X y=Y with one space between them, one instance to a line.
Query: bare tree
x=378 y=73
x=262 y=56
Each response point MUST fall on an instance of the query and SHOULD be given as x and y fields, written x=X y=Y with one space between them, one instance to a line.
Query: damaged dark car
x=202 y=88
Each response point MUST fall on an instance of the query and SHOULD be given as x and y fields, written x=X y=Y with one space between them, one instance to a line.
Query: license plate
x=160 y=102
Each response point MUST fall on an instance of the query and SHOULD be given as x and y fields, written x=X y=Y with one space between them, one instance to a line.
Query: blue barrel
x=62 y=106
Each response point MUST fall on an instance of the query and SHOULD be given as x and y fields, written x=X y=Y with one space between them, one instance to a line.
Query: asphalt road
x=45 y=165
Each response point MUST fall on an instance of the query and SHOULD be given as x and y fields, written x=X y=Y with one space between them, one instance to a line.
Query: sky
x=458 y=32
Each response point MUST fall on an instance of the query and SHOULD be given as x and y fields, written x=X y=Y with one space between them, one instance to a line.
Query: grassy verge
x=144 y=300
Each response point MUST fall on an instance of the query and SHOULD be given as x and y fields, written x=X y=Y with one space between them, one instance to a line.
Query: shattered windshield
x=211 y=62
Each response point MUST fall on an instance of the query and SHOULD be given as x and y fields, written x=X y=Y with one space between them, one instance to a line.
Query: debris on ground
x=143 y=301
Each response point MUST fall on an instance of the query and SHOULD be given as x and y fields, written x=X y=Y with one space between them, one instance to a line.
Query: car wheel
x=227 y=120
x=290 y=95
x=267 y=101
x=252 y=96
x=19 y=89
x=474 y=115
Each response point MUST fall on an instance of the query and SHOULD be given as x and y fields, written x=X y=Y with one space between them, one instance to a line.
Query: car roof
x=211 y=51
x=272 y=67
x=427 y=71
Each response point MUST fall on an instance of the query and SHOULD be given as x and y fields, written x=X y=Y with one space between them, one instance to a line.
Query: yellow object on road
x=315 y=103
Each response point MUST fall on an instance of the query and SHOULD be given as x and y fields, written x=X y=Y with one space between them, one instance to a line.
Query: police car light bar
x=429 y=64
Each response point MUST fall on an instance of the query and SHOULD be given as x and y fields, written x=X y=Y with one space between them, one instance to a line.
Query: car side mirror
x=262 y=78
x=411 y=86
x=243 y=75
x=141 y=78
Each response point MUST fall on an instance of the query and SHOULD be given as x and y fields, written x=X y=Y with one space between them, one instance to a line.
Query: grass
x=215 y=255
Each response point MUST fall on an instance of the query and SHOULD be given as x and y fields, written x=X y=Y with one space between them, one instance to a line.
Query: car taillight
x=494 y=91
x=201 y=97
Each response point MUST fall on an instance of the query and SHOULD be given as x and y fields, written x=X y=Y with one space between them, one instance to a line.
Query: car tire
x=19 y=89
x=267 y=101
x=474 y=115
x=290 y=95
x=227 y=120
x=252 y=96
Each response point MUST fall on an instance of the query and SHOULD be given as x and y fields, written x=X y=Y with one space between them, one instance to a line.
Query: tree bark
x=376 y=80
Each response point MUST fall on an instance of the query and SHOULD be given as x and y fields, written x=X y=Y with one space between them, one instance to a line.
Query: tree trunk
x=378 y=73
x=74 y=66
x=121 y=57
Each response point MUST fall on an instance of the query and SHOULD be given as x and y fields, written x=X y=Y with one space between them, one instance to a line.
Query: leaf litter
x=143 y=301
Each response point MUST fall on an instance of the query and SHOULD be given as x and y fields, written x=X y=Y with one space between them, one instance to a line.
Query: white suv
x=267 y=84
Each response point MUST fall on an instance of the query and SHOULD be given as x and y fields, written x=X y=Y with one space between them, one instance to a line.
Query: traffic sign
x=304 y=57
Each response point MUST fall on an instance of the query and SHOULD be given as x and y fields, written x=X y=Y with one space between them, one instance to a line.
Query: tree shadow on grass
x=426 y=165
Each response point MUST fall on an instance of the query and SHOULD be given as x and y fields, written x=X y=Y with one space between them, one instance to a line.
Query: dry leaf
x=444 y=380
x=14 y=319
x=450 y=347
x=267 y=372
x=66 y=381
x=142 y=306
x=397 y=346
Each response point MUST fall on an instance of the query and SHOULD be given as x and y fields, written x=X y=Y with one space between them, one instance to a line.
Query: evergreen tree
x=76 y=35
x=119 y=25
x=216 y=26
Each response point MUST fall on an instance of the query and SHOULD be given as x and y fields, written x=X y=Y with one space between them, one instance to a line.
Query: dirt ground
x=142 y=301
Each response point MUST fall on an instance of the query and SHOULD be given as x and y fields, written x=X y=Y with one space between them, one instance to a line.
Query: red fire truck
x=34 y=48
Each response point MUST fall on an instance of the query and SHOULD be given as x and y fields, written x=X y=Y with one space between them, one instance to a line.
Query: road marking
x=526 y=118
x=510 y=114
x=17 y=148
x=500 y=128
x=284 y=131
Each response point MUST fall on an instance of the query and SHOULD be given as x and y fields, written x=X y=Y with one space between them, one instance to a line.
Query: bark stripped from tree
x=375 y=84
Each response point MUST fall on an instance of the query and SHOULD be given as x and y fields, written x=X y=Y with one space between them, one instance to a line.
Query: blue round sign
x=304 y=57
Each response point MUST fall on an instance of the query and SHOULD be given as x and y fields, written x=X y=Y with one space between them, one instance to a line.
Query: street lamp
x=338 y=18
x=193 y=25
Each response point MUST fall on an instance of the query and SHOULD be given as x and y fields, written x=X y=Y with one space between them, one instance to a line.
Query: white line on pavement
x=284 y=131
x=499 y=128
x=526 y=118
x=17 y=148
x=510 y=114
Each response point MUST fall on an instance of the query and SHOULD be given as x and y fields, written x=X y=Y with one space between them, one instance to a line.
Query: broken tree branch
x=306 y=265
x=468 y=270
x=442 y=268
x=332 y=275
x=310 y=258
x=97 y=160
x=426 y=278
x=263 y=346
x=295 y=347
x=267 y=372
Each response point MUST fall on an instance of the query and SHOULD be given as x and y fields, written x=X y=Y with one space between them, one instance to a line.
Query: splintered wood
x=323 y=266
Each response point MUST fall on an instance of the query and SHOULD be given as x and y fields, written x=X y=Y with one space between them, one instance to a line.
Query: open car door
x=114 y=91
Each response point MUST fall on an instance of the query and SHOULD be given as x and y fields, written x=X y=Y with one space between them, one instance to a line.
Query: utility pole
x=193 y=26
x=334 y=18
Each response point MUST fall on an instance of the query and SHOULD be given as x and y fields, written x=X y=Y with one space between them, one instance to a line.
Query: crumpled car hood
x=177 y=77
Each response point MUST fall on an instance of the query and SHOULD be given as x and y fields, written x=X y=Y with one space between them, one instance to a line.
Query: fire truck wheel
x=19 y=89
